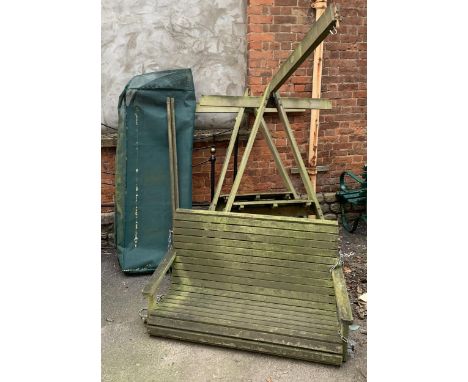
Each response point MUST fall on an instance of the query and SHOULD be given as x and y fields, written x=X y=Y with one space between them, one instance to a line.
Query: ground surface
x=130 y=354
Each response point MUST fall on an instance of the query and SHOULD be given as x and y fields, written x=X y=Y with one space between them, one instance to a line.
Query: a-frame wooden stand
x=271 y=98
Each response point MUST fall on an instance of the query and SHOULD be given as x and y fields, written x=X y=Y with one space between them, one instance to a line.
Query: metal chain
x=142 y=316
x=170 y=239
x=343 y=338
x=339 y=263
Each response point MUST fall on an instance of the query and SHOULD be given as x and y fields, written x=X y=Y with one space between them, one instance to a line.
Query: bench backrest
x=284 y=258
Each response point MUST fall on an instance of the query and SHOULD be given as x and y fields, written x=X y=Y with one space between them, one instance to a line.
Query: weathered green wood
x=254 y=262
x=255 y=281
x=295 y=210
x=251 y=217
x=183 y=268
x=277 y=195
x=307 y=202
x=256 y=307
x=173 y=151
x=257 y=230
x=249 y=294
x=241 y=221
x=279 y=315
x=276 y=157
x=318 y=339
x=255 y=102
x=290 y=252
x=280 y=350
x=247 y=150
x=241 y=315
x=317 y=33
x=185 y=261
x=254 y=332
x=345 y=312
x=153 y=283
x=252 y=237
x=231 y=109
x=297 y=156
x=313 y=294
x=230 y=148
x=171 y=154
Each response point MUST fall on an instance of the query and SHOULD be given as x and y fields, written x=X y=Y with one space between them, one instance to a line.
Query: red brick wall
x=274 y=27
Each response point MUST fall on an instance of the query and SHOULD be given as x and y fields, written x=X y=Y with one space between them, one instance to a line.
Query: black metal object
x=236 y=153
x=213 y=175
x=354 y=197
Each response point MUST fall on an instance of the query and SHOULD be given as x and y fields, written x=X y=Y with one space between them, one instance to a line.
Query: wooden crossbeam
x=233 y=109
x=319 y=31
x=254 y=102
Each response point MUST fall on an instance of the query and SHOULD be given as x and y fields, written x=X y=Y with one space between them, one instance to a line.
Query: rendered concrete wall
x=140 y=36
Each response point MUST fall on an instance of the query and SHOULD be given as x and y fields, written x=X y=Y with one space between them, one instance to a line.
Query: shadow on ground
x=130 y=354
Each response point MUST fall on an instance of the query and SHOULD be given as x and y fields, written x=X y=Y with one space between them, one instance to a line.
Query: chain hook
x=144 y=317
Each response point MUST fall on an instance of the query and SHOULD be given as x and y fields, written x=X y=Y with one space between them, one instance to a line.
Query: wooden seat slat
x=268 y=291
x=268 y=231
x=279 y=315
x=268 y=325
x=276 y=273
x=184 y=262
x=250 y=345
x=252 y=237
x=212 y=250
x=201 y=257
x=228 y=328
x=225 y=242
x=268 y=221
x=293 y=303
x=194 y=314
x=254 y=282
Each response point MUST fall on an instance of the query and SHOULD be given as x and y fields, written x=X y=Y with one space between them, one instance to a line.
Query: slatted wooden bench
x=254 y=282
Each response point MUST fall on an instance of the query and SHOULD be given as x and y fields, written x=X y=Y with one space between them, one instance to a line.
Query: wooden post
x=172 y=147
x=319 y=6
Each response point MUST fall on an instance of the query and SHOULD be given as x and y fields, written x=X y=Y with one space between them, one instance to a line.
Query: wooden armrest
x=151 y=287
x=345 y=313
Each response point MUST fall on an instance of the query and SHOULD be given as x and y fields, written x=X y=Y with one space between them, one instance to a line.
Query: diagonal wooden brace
x=297 y=156
x=248 y=149
x=232 y=141
x=276 y=157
